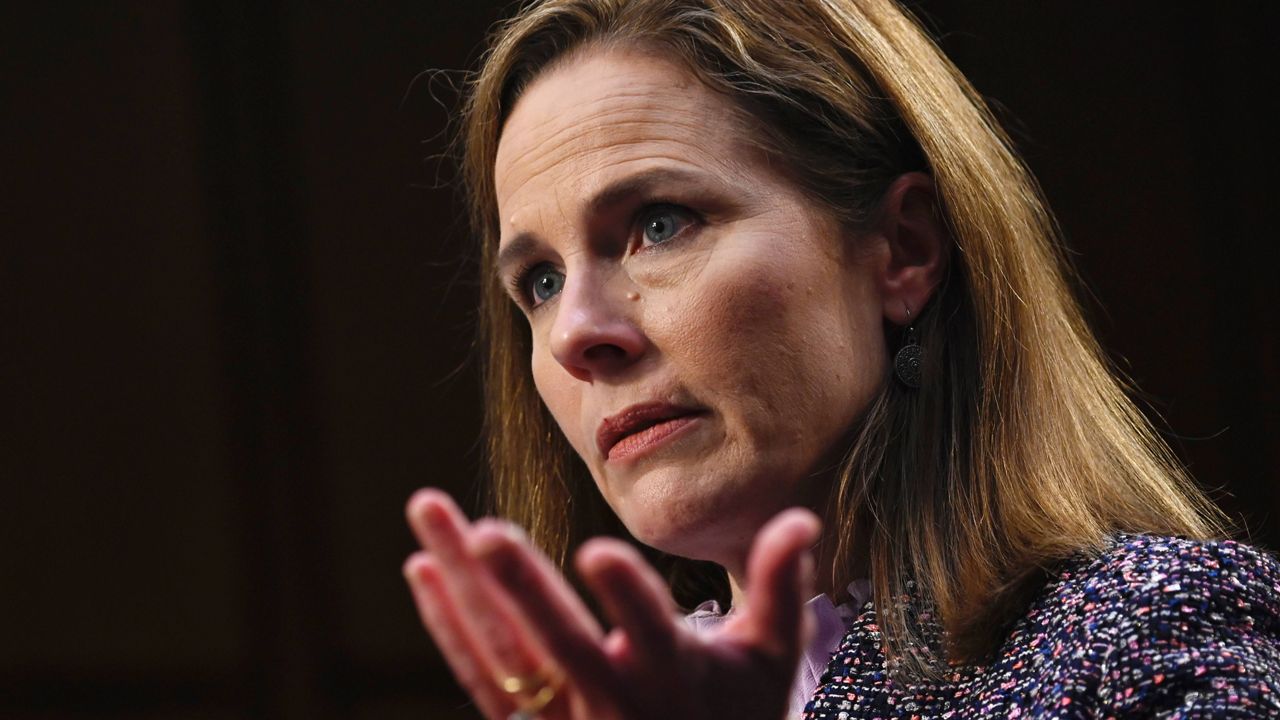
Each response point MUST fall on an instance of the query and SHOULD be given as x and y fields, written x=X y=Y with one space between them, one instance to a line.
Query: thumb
x=780 y=573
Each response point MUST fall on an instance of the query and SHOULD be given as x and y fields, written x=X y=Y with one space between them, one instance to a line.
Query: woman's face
x=703 y=333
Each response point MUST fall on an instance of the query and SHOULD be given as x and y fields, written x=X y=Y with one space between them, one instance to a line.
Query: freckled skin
x=765 y=313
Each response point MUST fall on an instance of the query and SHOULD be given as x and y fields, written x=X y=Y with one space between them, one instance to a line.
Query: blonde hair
x=1021 y=447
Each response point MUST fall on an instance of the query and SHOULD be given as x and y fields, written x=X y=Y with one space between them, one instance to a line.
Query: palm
x=499 y=610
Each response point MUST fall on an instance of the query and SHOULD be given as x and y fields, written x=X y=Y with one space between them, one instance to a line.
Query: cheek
x=560 y=393
x=774 y=339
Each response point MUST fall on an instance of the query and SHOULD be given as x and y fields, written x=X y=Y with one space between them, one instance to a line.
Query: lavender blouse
x=833 y=622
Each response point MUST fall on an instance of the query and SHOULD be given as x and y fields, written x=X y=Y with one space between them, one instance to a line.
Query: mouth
x=641 y=427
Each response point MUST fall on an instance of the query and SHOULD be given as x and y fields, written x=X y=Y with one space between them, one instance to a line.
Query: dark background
x=237 y=324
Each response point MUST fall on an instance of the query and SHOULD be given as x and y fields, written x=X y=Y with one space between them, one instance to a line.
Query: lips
x=641 y=426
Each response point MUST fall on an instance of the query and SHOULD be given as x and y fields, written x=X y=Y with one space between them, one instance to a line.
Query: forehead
x=604 y=114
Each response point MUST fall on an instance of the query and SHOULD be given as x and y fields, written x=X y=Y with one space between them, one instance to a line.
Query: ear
x=918 y=246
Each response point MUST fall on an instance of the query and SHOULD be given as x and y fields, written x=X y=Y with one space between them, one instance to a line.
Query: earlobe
x=919 y=244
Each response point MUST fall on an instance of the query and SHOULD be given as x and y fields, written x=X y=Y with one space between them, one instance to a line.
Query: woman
x=765 y=285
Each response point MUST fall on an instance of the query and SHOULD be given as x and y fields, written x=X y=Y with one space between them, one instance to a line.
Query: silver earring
x=906 y=364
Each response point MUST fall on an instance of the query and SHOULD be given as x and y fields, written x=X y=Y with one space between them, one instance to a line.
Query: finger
x=490 y=620
x=780 y=577
x=428 y=505
x=441 y=616
x=635 y=598
x=555 y=614
x=443 y=529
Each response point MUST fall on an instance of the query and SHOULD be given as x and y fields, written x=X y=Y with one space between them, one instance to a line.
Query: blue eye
x=663 y=223
x=546 y=282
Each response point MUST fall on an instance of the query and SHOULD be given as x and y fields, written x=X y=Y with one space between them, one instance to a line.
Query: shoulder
x=1181 y=626
x=1159 y=587
x=1215 y=582
x=1150 y=580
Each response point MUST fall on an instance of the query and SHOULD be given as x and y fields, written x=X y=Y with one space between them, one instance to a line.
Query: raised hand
x=523 y=644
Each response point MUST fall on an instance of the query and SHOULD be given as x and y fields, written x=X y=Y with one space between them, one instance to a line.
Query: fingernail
x=413 y=566
x=485 y=542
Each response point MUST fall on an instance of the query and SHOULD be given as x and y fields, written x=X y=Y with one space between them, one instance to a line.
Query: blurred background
x=237 y=327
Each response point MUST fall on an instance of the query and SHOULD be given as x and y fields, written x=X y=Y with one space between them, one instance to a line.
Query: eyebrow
x=525 y=244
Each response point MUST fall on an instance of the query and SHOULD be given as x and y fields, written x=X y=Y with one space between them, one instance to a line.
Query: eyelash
x=653 y=207
x=518 y=282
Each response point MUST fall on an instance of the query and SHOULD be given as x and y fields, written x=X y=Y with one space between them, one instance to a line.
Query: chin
x=691 y=514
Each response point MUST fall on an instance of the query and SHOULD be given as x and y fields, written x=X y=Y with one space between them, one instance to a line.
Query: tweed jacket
x=1152 y=627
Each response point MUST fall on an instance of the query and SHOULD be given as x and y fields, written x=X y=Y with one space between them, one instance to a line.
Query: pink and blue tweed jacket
x=1153 y=627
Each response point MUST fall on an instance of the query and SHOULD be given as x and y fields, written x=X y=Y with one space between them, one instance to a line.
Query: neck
x=829 y=580
x=735 y=590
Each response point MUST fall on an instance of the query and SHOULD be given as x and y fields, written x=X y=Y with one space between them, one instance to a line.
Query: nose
x=594 y=334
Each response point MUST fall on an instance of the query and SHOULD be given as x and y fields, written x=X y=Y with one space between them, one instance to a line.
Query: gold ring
x=539 y=690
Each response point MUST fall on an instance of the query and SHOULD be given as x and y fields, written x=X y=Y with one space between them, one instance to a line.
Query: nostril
x=604 y=352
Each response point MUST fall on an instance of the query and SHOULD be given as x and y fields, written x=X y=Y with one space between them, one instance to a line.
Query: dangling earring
x=906 y=364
